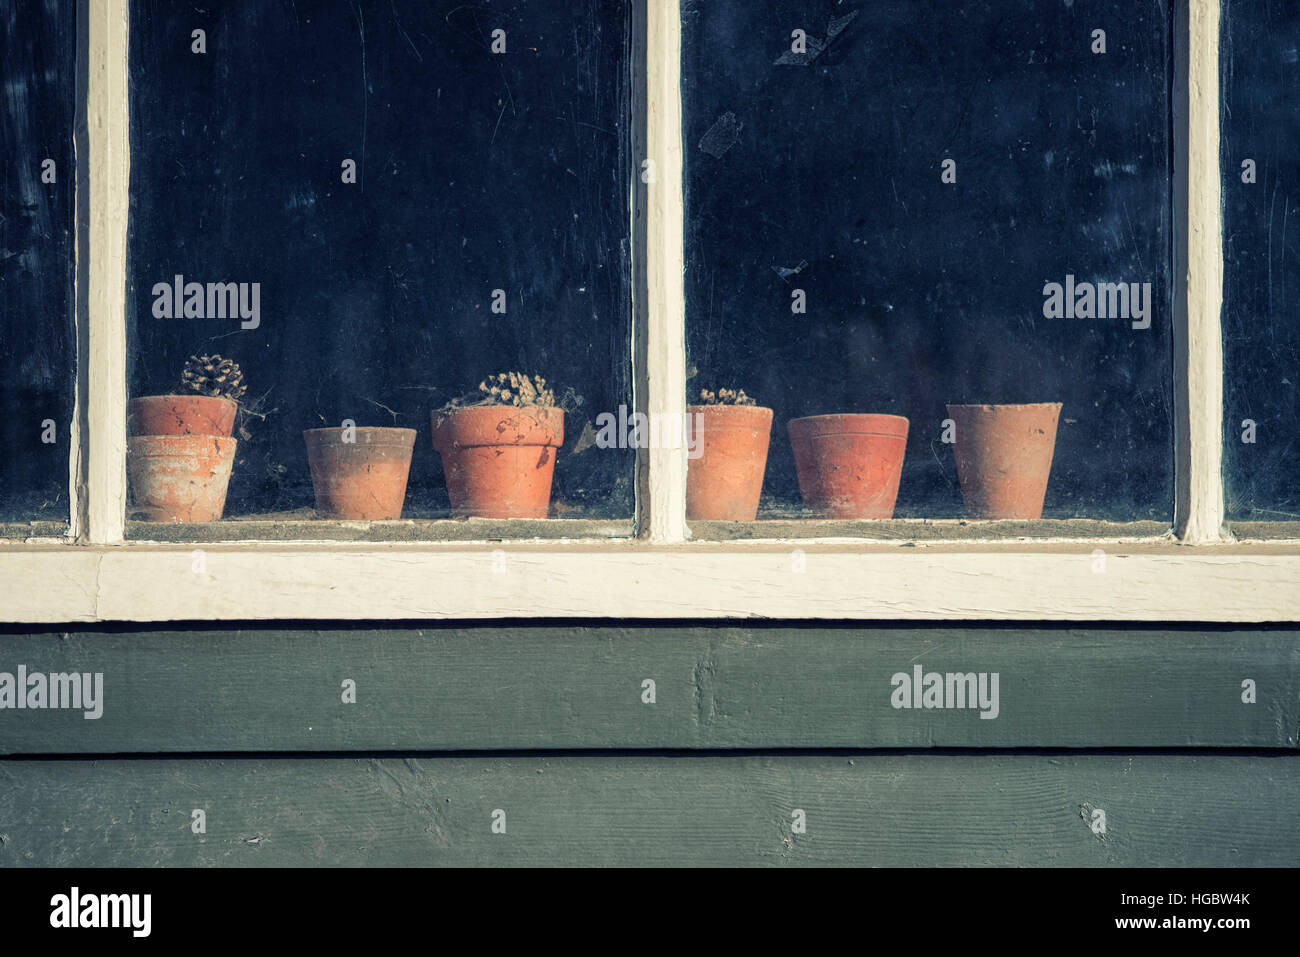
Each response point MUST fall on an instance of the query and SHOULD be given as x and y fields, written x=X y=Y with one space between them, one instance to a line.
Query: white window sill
x=1083 y=581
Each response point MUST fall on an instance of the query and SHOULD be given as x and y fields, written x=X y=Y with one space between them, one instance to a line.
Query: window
x=1261 y=339
x=36 y=266
x=678 y=190
x=878 y=204
x=403 y=199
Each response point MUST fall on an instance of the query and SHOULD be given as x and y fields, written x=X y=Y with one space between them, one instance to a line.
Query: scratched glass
x=908 y=206
x=1260 y=136
x=37 y=180
x=395 y=200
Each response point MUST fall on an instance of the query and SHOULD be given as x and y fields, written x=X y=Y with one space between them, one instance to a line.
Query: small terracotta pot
x=1004 y=457
x=363 y=479
x=180 y=478
x=724 y=473
x=499 y=460
x=849 y=465
x=181 y=415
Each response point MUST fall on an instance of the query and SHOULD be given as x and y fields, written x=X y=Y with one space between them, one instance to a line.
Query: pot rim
x=543 y=425
x=813 y=428
x=744 y=416
x=183 y=395
x=543 y=410
x=984 y=406
x=362 y=430
x=189 y=438
x=852 y=415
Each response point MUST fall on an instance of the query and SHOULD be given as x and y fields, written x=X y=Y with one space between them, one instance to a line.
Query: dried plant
x=725 y=397
x=213 y=376
x=508 y=388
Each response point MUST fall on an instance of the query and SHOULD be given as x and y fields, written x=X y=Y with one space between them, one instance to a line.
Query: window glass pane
x=1261 y=337
x=38 y=44
x=909 y=205
x=406 y=197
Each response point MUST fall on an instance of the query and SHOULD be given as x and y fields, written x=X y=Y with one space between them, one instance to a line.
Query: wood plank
x=401 y=530
x=773 y=528
x=759 y=686
x=38 y=578
x=1266 y=531
x=1198 y=255
x=664 y=509
x=1024 y=581
x=104 y=292
x=875 y=810
x=33 y=530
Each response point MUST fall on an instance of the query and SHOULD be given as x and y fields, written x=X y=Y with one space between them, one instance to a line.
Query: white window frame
x=1199 y=572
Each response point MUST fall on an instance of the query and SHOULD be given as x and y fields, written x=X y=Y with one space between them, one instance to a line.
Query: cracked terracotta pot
x=181 y=415
x=499 y=460
x=725 y=478
x=179 y=478
x=364 y=478
x=849 y=465
x=1004 y=457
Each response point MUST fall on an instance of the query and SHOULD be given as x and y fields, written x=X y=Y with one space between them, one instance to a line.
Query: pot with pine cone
x=180 y=449
x=204 y=404
x=498 y=447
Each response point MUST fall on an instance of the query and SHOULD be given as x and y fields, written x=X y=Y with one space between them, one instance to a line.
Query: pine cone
x=213 y=375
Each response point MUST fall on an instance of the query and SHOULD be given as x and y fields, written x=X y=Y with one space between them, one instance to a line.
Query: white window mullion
x=107 y=166
x=1199 y=264
x=665 y=266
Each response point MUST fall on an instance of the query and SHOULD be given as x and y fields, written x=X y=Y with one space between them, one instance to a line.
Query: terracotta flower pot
x=849 y=465
x=180 y=478
x=725 y=478
x=499 y=460
x=181 y=415
x=1004 y=457
x=363 y=479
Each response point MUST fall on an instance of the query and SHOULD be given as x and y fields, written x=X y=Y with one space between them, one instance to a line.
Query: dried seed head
x=512 y=388
x=725 y=397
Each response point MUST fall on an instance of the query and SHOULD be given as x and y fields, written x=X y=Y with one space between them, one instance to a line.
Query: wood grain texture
x=109 y=167
x=1199 y=344
x=665 y=508
x=1266 y=531
x=530 y=687
x=1055 y=582
x=400 y=530
x=41 y=531
x=927 y=530
x=860 y=810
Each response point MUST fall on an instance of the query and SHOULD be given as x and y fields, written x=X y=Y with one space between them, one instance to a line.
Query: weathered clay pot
x=1004 y=457
x=362 y=479
x=849 y=465
x=499 y=460
x=181 y=415
x=179 y=478
x=724 y=478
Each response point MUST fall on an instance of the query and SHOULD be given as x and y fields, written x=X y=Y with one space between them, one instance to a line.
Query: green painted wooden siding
x=760 y=687
x=700 y=809
x=734 y=707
